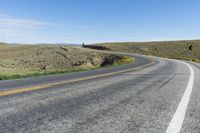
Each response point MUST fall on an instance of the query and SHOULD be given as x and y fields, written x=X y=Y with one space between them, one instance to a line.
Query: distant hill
x=3 y=43
x=187 y=49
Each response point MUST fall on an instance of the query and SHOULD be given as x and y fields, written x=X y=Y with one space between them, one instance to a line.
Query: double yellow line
x=38 y=87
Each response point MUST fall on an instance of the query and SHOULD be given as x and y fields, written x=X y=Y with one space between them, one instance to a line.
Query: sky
x=91 y=21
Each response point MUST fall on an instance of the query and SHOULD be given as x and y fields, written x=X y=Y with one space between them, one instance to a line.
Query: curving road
x=151 y=95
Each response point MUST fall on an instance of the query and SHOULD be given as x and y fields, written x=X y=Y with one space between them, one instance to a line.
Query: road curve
x=139 y=97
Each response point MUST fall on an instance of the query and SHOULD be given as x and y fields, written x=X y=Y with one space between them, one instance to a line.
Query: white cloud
x=10 y=22
x=21 y=30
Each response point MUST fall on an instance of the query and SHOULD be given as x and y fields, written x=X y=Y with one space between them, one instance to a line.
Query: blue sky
x=89 y=21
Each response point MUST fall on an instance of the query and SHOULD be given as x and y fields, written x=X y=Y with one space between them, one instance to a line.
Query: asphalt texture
x=138 y=101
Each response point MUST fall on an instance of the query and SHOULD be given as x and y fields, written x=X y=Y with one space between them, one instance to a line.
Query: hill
x=31 y=60
x=187 y=50
x=3 y=43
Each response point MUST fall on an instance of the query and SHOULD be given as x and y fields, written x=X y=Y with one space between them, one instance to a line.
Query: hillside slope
x=16 y=60
x=188 y=50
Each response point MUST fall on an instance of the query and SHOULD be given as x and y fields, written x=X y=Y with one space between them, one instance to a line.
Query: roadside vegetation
x=185 y=50
x=20 y=61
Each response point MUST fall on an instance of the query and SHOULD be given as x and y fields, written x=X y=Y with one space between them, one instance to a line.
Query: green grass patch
x=16 y=76
x=124 y=60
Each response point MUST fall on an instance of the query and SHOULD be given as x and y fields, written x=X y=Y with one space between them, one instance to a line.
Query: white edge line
x=179 y=116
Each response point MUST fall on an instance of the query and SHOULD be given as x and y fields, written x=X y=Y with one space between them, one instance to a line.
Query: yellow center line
x=38 y=87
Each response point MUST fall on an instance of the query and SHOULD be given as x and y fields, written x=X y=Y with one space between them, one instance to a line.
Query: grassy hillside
x=3 y=43
x=188 y=50
x=31 y=60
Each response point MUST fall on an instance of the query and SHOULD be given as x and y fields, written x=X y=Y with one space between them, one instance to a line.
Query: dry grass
x=187 y=50
x=30 y=60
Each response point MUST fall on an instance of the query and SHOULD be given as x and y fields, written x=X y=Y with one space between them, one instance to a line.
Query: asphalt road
x=152 y=95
